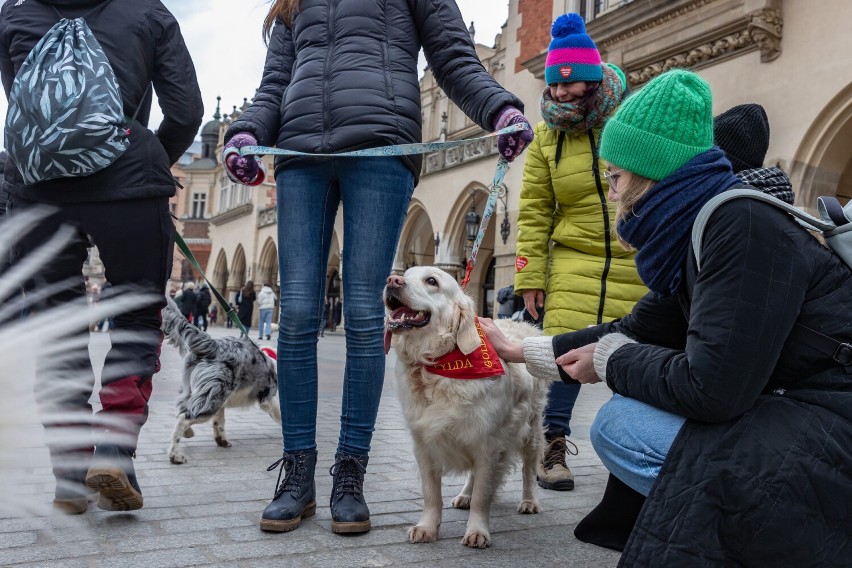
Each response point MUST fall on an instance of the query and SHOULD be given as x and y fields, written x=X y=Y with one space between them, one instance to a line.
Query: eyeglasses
x=612 y=177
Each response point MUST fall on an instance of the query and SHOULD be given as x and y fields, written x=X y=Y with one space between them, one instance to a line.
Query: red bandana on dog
x=481 y=364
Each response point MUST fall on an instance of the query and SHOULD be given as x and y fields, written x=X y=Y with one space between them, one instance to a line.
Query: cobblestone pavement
x=205 y=512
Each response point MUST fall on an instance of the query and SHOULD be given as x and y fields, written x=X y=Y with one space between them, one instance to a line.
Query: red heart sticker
x=520 y=263
x=565 y=71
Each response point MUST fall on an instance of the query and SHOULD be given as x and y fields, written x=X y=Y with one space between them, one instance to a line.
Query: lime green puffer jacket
x=588 y=277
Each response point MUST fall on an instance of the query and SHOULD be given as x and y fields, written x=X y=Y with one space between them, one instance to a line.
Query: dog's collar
x=482 y=363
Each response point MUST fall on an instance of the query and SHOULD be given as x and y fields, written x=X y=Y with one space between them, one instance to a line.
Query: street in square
x=206 y=512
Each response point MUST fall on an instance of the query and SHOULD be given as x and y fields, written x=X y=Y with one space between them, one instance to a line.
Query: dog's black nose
x=395 y=281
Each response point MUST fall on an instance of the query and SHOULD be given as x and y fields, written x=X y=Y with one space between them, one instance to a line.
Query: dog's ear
x=464 y=316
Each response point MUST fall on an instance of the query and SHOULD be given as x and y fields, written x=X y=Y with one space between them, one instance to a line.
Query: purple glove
x=247 y=170
x=510 y=146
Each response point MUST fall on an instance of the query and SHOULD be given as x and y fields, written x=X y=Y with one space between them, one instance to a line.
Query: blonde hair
x=629 y=196
x=281 y=10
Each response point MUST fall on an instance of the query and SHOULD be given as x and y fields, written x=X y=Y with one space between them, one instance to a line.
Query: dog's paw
x=419 y=533
x=177 y=459
x=477 y=538
x=188 y=433
x=462 y=502
x=529 y=507
x=222 y=442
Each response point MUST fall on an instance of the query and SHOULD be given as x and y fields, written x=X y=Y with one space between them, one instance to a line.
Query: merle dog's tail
x=185 y=336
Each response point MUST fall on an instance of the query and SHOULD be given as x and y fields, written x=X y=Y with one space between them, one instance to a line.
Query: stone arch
x=823 y=162
x=220 y=271
x=454 y=248
x=267 y=264
x=417 y=242
x=238 y=270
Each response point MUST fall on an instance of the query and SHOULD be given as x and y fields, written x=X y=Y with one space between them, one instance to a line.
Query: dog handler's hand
x=507 y=349
x=533 y=300
x=510 y=146
x=580 y=364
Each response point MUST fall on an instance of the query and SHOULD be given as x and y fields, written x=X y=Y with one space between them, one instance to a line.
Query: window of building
x=232 y=194
x=199 y=205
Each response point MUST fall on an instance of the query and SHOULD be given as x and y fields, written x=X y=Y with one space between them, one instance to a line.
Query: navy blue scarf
x=660 y=225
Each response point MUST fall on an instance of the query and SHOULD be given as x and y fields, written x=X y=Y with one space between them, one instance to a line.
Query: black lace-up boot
x=349 y=512
x=295 y=497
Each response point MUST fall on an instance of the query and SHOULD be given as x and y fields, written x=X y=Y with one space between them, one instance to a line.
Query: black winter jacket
x=761 y=473
x=143 y=43
x=345 y=76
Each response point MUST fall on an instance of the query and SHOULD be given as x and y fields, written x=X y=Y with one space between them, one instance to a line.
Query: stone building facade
x=786 y=55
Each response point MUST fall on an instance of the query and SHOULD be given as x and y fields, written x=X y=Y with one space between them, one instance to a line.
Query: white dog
x=478 y=426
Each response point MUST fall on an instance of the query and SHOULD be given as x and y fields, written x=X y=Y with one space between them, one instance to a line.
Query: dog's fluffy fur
x=478 y=426
x=218 y=373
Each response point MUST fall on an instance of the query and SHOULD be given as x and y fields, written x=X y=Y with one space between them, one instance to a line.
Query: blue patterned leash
x=411 y=149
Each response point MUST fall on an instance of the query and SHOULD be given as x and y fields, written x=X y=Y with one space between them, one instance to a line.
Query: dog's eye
x=431 y=281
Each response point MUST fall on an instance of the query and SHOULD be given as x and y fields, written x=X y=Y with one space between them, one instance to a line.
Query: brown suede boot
x=553 y=472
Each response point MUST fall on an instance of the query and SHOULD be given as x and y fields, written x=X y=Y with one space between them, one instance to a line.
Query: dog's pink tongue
x=387 y=339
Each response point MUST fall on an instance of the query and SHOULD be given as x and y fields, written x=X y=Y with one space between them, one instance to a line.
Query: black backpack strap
x=839 y=351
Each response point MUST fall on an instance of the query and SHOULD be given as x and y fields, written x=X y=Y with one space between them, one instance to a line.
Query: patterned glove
x=510 y=146
x=247 y=170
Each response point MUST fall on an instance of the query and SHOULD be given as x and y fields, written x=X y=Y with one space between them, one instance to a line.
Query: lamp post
x=471 y=225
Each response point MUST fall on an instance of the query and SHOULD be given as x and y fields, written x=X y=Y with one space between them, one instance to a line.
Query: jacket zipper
x=607 y=229
x=326 y=121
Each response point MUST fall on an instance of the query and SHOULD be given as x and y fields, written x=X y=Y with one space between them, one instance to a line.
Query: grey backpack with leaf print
x=66 y=116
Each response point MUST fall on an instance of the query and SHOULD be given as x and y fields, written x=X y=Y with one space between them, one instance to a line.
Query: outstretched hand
x=580 y=364
x=507 y=349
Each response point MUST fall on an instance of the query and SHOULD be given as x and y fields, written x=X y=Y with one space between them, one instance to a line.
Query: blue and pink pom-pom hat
x=572 y=55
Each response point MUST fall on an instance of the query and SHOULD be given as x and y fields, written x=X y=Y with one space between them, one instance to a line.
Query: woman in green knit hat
x=731 y=424
x=588 y=278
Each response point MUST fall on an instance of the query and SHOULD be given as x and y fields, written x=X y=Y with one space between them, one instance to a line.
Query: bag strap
x=830 y=208
x=809 y=221
x=181 y=244
x=97 y=8
x=840 y=352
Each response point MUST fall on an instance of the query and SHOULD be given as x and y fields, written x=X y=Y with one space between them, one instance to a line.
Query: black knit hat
x=742 y=132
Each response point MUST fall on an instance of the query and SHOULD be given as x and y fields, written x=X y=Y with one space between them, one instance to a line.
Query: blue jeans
x=633 y=439
x=265 y=324
x=560 y=404
x=375 y=193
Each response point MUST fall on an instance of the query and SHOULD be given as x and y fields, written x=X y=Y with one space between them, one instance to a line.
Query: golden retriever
x=475 y=426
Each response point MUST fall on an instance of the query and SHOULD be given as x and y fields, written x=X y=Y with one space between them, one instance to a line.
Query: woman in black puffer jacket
x=732 y=410
x=343 y=76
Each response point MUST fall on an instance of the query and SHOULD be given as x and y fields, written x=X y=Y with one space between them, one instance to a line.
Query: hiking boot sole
x=71 y=506
x=116 y=493
x=350 y=528
x=561 y=485
x=277 y=525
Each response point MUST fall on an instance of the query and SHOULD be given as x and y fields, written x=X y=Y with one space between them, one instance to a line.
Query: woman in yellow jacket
x=587 y=276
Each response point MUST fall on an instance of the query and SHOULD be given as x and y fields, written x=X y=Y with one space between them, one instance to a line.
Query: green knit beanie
x=661 y=127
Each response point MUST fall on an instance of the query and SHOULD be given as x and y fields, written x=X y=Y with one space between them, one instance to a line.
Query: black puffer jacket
x=761 y=473
x=345 y=76
x=143 y=43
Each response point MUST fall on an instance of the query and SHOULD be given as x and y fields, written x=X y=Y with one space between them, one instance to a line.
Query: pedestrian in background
x=266 y=305
x=123 y=209
x=245 y=304
x=188 y=301
x=202 y=306
x=585 y=277
x=742 y=133
x=370 y=52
